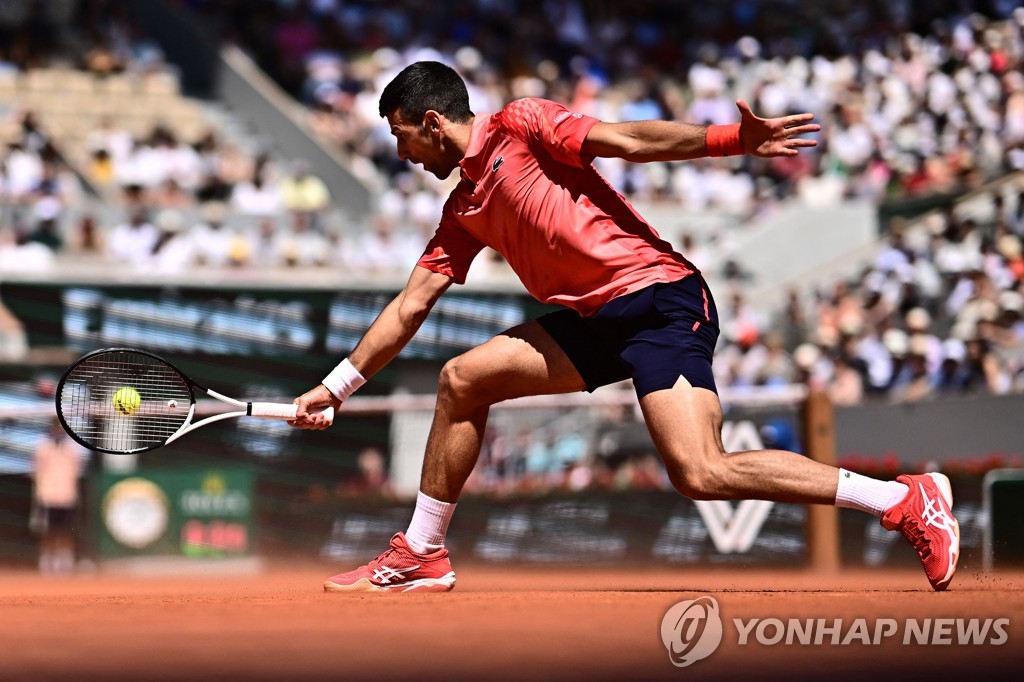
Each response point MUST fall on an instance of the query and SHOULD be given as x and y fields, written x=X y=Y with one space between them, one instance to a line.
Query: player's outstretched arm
x=385 y=338
x=644 y=141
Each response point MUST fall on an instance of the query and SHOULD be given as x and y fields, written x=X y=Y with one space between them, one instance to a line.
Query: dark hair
x=423 y=86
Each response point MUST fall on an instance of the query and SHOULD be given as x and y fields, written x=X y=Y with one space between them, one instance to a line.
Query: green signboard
x=193 y=512
x=1003 y=506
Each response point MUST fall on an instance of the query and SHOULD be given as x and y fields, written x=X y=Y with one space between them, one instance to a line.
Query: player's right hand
x=310 y=406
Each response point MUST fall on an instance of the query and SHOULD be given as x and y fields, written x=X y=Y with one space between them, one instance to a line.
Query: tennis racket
x=125 y=400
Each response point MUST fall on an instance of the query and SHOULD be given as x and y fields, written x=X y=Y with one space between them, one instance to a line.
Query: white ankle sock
x=429 y=524
x=868 y=494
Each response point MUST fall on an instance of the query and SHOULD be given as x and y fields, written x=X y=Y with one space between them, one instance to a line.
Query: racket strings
x=154 y=406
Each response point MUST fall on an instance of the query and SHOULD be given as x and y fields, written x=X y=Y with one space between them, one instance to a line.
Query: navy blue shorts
x=654 y=336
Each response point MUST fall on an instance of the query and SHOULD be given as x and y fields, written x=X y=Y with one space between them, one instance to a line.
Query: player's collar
x=477 y=136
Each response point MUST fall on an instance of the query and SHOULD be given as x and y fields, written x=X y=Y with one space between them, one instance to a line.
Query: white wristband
x=343 y=380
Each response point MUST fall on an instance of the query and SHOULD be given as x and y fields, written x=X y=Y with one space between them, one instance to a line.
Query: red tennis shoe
x=399 y=569
x=925 y=517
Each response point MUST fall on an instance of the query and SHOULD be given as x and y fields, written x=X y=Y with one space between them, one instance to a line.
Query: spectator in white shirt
x=174 y=251
x=385 y=250
x=256 y=197
x=214 y=241
x=133 y=241
x=302 y=246
x=24 y=171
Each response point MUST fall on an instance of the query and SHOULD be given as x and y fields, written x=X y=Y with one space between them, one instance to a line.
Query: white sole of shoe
x=942 y=483
x=443 y=584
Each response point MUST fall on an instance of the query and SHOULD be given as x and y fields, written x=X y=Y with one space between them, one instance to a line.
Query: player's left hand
x=768 y=137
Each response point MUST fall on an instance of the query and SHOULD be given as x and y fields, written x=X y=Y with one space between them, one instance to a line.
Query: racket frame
x=281 y=411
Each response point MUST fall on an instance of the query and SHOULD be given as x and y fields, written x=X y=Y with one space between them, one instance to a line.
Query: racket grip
x=282 y=411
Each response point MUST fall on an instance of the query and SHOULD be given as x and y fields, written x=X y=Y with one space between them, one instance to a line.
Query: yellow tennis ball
x=127 y=400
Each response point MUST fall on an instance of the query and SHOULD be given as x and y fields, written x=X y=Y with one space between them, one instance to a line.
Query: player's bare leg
x=686 y=423
x=522 y=361
x=686 y=426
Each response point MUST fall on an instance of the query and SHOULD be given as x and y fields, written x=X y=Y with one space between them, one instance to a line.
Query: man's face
x=421 y=142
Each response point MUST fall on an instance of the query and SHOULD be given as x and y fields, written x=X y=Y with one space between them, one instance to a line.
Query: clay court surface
x=499 y=624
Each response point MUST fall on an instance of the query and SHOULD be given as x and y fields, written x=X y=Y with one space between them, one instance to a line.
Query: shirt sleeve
x=450 y=251
x=550 y=125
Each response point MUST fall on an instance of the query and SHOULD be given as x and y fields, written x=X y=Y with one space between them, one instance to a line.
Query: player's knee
x=692 y=484
x=699 y=482
x=450 y=383
x=456 y=384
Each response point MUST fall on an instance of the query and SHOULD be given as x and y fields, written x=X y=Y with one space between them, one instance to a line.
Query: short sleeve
x=450 y=252
x=558 y=130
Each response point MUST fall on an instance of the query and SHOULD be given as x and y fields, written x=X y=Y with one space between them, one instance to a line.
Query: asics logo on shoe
x=934 y=515
x=384 y=574
x=497 y=164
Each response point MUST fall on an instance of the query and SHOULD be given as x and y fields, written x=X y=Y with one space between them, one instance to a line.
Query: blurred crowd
x=167 y=202
x=106 y=37
x=178 y=205
x=914 y=98
x=567 y=457
x=939 y=312
x=531 y=452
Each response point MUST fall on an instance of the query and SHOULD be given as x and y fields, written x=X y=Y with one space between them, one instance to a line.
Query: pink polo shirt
x=528 y=194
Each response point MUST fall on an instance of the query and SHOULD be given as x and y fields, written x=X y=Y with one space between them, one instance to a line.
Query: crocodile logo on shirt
x=497 y=164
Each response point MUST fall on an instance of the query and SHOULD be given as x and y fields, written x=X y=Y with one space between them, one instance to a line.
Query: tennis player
x=634 y=308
